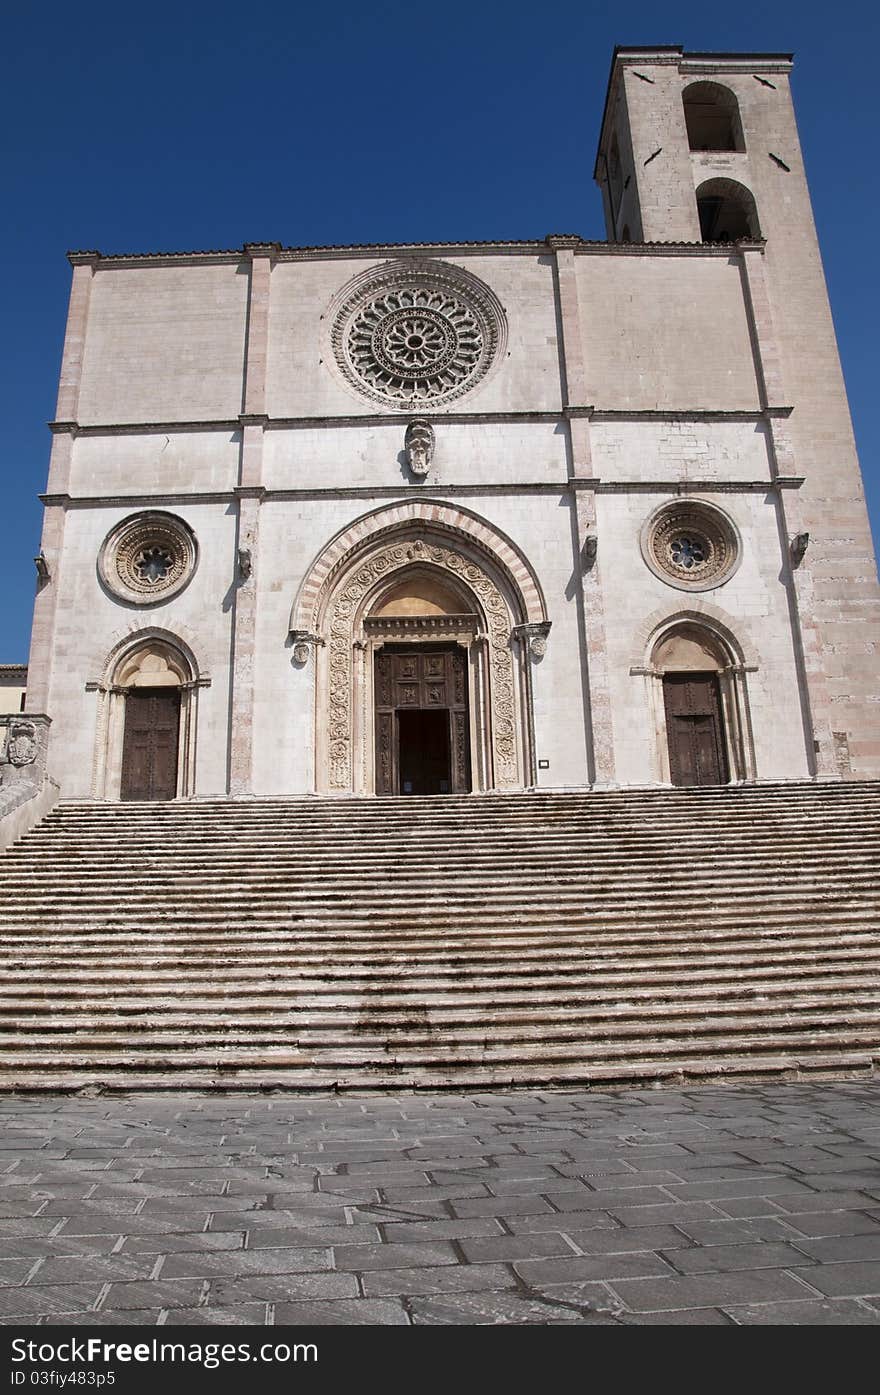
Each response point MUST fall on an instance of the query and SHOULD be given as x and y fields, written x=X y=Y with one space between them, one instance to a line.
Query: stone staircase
x=475 y=941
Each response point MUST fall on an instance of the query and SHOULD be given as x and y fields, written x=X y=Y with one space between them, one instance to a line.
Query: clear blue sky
x=139 y=127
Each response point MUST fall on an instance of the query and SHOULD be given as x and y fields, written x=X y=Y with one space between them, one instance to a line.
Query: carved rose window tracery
x=417 y=333
x=691 y=544
x=148 y=557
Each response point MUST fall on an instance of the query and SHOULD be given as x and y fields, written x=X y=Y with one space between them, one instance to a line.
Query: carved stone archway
x=704 y=627
x=500 y=595
x=150 y=658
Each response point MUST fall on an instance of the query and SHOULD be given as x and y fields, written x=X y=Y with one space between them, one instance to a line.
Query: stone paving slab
x=747 y=1205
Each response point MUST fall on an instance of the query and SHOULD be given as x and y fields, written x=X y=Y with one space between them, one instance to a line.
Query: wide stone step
x=437 y=1051
x=370 y=1031
x=855 y=985
x=478 y=953
x=480 y=958
x=274 y=881
x=755 y=1067
x=274 y=1015
x=339 y=983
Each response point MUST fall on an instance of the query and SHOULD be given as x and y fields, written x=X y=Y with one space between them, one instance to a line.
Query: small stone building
x=473 y=516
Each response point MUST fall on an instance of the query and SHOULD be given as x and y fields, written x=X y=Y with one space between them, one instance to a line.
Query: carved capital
x=798 y=547
x=303 y=642
x=533 y=637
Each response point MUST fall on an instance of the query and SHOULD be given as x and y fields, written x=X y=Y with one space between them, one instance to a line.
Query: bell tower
x=703 y=148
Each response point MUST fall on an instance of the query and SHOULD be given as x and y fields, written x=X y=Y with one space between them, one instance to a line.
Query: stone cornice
x=437 y=419
x=379 y=251
x=560 y=486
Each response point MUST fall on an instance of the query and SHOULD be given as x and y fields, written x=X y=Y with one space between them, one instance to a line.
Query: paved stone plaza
x=756 y=1204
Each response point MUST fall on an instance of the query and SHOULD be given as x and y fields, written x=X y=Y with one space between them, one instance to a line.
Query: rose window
x=417 y=334
x=153 y=565
x=148 y=558
x=692 y=545
x=688 y=552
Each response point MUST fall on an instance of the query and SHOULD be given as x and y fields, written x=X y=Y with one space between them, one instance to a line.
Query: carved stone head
x=419 y=446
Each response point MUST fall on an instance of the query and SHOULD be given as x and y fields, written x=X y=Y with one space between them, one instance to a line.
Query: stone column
x=796 y=570
x=600 y=730
x=249 y=494
x=64 y=433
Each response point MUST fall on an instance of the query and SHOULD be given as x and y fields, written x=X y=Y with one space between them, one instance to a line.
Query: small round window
x=691 y=544
x=148 y=557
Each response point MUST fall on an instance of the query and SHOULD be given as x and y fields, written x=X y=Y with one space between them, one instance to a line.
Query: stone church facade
x=472 y=517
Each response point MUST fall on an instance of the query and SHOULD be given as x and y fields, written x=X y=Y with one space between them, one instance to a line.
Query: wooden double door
x=695 y=729
x=422 y=726
x=150 y=743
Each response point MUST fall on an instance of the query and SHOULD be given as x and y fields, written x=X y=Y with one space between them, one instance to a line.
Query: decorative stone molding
x=691 y=544
x=698 y=612
x=460 y=628
x=475 y=533
x=418 y=445
x=148 y=557
x=415 y=331
x=343 y=611
x=497 y=587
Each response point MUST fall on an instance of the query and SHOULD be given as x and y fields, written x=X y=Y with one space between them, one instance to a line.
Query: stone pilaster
x=249 y=494
x=795 y=570
x=600 y=733
x=84 y=264
x=64 y=433
x=45 y=606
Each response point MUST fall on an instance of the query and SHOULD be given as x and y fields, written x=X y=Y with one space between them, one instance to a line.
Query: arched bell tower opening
x=711 y=114
x=727 y=211
x=424 y=623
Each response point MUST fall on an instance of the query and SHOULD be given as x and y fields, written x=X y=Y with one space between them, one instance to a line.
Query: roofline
x=375 y=250
x=674 y=53
x=278 y=252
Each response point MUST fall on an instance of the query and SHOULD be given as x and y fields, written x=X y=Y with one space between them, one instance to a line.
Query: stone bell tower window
x=711 y=114
x=727 y=211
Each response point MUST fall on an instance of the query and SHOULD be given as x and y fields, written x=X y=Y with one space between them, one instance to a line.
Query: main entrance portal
x=422 y=725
